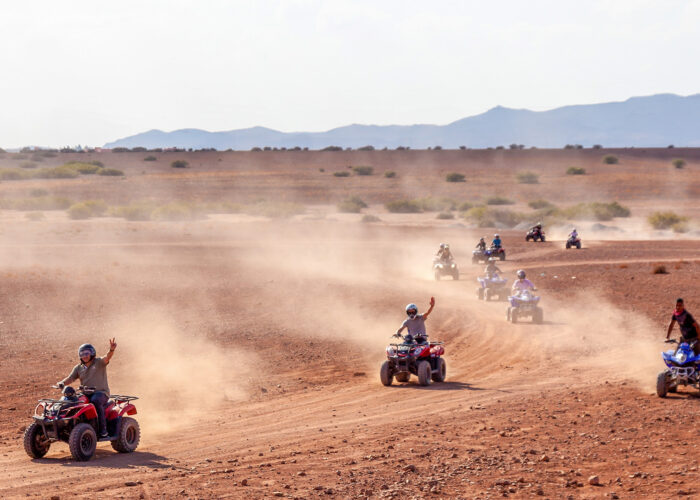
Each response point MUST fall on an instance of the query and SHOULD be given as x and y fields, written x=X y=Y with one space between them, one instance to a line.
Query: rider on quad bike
x=492 y=268
x=92 y=372
x=522 y=283
x=481 y=245
x=496 y=243
x=573 y=234
x=444 y=253
x=687 y=324
x=416 y=322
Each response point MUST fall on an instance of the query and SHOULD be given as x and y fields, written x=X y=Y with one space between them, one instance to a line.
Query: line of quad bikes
x=425 y=361
x=73 y=419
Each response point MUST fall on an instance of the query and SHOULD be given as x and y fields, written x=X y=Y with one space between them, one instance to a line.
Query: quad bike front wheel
x=82 y=442
x=440 y=371
x=662 y=384
x=129 y=436
x=385 y=374
x=502 y=256
x=403 y=377
x=36 y=444
x=424 y=373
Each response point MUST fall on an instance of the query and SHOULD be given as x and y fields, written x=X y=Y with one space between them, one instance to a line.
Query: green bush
x=445 y=216
x=610 y=160
x=539 y=204
x=83 y=168
x=138 y=211
x=62 y=172
x=79 y=211
x=36 y=203
x=455 y=177
x=488 y=217
x=665 y=220
x=403 y=207
x=499 y=200
x=179 y=164
x=363 y=170
x=370 y=218
x=430 y=204
x=464 y=206
x=678 y=163
x=575 y=171
x=110 y=172
x=341 y=173
x=14 y=174
x=680 y=227
x=352 y=205
x=150 y=158
x=389 y=174
x=594 y=211
x=527 y=178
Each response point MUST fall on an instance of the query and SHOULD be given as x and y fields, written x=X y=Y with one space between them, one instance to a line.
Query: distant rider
x=444 y=253
x=416 y=323
x=687 y=324
x=573 y=234
x=92 y=372
x=492 y=268
x=537 y=229
x=496 y=243
x=522 y=283
x=481 y=245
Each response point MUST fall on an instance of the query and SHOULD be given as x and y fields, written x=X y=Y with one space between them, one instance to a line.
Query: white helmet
x=520 y=274
x=496 y=235
x=412 y=310
x=442 y=245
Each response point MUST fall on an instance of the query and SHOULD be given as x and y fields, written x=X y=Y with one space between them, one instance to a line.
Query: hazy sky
x=88 y=72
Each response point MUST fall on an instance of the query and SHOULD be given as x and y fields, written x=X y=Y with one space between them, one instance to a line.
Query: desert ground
x=254 y=343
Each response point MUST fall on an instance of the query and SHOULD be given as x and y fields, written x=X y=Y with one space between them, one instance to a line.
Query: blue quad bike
x=524 y=305
x=491 y=286
x=682 y=368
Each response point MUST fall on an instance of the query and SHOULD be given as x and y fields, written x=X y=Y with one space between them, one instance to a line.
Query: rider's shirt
x=496 y=243
x=94 y=375
x=685 y=321
x=416 y=326
x=521 y=285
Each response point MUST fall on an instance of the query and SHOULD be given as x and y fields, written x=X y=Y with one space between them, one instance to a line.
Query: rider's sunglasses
x=85 y=353
x=411 y=311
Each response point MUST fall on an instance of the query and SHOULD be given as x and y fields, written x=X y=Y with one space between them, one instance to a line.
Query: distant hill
x=653 y=121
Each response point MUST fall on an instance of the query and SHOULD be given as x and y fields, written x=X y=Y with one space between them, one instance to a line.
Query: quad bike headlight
x=681 y=357
x=390 y=351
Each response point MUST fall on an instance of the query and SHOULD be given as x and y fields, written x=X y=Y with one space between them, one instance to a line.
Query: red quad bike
x=74 y=420
x=423 y=360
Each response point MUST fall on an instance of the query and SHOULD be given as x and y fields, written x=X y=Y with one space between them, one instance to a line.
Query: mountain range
x=651 y=121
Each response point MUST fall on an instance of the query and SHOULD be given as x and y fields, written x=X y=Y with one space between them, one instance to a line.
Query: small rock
x=132 y=483
x=544 y=458
x=244 y=482
x=594 y=481
x=410 y=467
x=277 y=494
x=301 y=473
x=359 y=374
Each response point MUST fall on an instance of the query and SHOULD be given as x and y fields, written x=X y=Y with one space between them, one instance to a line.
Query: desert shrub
x=34 y=216
x=488 y=217
x=370 y=218
x=539 y=204
x=62 y=172
x=499 y=200
x=137 y=211
x=464 y=206
x=363 y=170
x=38 y=192
x=678 y=163
x=114 y=172
x=389 y=174
x=83 y=168
x=150 y=158
x=403 y=207
x=47 y=154
x=79 y=211
x=680 y=227
x=575 y=171
x=275 y=210
x=366 y=148
x=120 y=149
x=179 y=164
x=138 y=149
x=36 y=203
x=595 y=211
x=665 y=220
x=597 y=146
x=341 y=173
x=445 y=216
x=455 y=177
x=610 y=160
x=97 y=163
x=27 y=164
x=527 y=177
x=352 y=205
x=14 y=174
x=176 y=211
x=332 y=148
x=659 y=269
x=430 y=204
x=321 y=170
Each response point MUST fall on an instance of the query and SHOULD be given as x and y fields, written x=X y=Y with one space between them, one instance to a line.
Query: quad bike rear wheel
x=512 y=315
x=129 y=436
x=424 y=373
x=487 y=294
x=385 y=374
x=82 y=442
x=36 y=444
x=403 y=377
x=568 y=245
x=502 y=256
x=662 y=384
x=440 y=371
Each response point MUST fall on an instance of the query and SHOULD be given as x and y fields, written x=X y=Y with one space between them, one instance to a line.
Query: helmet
x=496 y=235
x=87 y=348
x=520 y=274
x=491 y=259
x=442 y=245
x=412 y=310
x=539 y=224
x=447 y=247
x=481 y=239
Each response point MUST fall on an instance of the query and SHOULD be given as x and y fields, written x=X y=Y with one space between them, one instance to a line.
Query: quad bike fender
x=128 y=409
x=88 y=412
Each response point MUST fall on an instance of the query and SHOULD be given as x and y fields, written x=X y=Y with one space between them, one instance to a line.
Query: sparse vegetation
x=527 y=177
x=455 y=177
x=370 y=218
x=136 y=211
x=488 y=217
x=150 y=158
x=177 y=211
x=575 y=171
x=274 y=209
x=36 y=203
x=341 y=173
x=332 y=148
x=430 y=204
x=404 y=207
x=83 y=168
x=464 y=206
x=665 y=220
x=79 y=211
x=353 y=205
x=363 y=170
x=499 y=200
x=179 y=164
x=445 y=216
x=594 y=211
x=27 y=164
x=540 y=204
x=610 y=160
x=38 y=192
x=34 y=216
x=659 y=269
x=110 y=172
x=678 y=163
x=389 y=174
